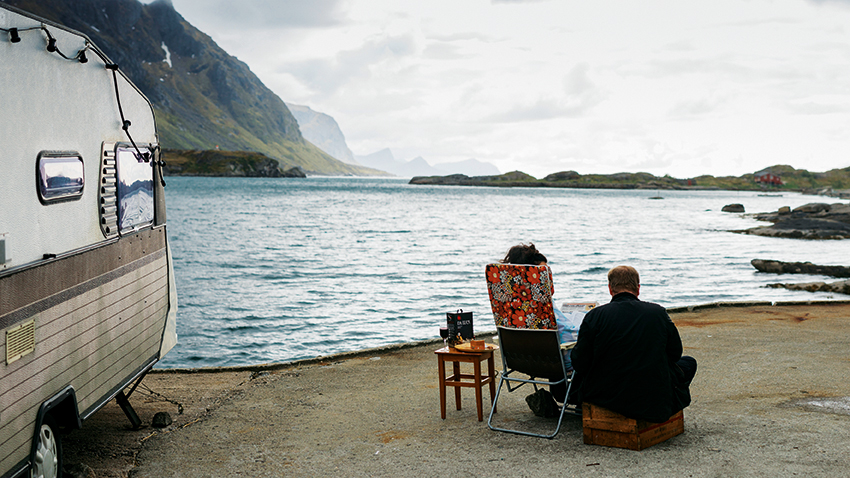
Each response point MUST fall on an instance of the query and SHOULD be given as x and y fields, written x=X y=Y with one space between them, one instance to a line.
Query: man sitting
x=628 y=357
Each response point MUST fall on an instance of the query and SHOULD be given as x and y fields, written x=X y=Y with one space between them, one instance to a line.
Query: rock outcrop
x=512 y=179
x=810 y=221
x=840 y=287
x=225 y=163
x=779 y=267
x=295 y=172
x=733 y=208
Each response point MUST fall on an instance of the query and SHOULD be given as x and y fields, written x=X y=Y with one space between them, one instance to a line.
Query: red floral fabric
x=521 y=296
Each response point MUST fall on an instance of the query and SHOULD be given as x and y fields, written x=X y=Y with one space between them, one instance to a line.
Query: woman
x=541 y=402
x=524 y=254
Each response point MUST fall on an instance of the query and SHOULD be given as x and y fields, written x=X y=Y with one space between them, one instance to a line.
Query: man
x=628 y=357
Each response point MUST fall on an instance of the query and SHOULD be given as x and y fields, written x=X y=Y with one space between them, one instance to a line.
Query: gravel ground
x=771 y=398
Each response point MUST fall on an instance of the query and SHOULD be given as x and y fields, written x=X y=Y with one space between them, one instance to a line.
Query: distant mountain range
x=203 y=98
x=385 y=161
x=323 y=131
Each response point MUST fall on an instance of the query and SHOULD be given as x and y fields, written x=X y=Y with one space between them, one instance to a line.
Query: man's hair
x=524 y=254
x=623 y=279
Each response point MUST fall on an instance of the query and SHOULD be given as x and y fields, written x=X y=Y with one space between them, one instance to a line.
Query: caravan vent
x=108 y=191
x=20 y=341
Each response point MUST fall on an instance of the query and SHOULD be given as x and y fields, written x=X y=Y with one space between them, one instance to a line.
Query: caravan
x=87 y=295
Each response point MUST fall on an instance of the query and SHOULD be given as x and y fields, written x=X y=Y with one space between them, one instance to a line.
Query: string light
x=14 y=37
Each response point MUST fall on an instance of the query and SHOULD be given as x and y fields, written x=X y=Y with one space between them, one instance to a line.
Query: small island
x=835 y=183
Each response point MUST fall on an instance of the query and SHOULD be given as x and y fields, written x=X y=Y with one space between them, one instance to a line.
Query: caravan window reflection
x=135 y=189
x=60 y=177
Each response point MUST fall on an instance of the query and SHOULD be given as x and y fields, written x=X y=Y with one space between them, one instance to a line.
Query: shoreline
x=764 y=403
x=274 y=366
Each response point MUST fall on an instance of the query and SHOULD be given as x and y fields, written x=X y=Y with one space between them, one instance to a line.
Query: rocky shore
x=810 y=221
x=225 y=163
x=779 y=267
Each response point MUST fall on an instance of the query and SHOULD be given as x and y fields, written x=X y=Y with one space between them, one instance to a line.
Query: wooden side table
x=474 y=380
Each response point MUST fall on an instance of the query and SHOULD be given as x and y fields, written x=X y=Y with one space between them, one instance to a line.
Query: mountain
x=323 y=131
x=203 y=97
x=385 y=161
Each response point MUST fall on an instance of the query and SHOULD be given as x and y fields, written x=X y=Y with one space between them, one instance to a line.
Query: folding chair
x=521 y=300
x=537 y=354
x=521 y=296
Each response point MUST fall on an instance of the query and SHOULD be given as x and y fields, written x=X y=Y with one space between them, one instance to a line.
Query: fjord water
x=272 y=270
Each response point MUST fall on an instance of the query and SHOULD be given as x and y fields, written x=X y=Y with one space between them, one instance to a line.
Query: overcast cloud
x=668 y=87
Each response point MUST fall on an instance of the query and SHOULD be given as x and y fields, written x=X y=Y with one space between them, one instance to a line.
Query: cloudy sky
x=685 y=88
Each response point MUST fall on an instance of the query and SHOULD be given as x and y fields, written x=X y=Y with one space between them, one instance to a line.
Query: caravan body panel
x=83 y=306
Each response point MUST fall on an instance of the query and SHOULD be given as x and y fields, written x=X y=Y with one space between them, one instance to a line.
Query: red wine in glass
x=444 y=333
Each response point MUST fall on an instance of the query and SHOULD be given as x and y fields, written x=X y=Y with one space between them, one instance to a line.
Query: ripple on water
x=284 y=269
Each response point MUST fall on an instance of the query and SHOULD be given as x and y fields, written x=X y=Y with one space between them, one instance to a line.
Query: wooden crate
x=607 y=428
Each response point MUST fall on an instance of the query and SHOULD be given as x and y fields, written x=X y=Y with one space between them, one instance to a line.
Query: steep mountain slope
x=323 y=131
x=202 y=96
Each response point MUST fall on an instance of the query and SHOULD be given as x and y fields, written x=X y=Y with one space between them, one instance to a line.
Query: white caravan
x=87 y=297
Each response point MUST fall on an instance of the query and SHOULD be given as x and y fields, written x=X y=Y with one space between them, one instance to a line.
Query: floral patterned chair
x=521 y=296
x=521 y=299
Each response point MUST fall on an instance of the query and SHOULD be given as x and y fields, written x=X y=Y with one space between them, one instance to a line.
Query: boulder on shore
x=779 y=267
x=733 y=208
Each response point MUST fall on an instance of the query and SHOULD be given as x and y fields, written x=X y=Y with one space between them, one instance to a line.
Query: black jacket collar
x=623 y=296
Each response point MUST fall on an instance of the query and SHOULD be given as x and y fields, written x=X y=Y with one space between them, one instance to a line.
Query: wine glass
x=444 y=333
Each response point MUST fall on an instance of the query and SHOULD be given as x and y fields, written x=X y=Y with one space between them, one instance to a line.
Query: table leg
x=491 y=370
x=478 y=394
x=441 y=368
x=456 y=370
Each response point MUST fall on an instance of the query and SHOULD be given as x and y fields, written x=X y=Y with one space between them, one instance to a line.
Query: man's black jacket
x=625 y=360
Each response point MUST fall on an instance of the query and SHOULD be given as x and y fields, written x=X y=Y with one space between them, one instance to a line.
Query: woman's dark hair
x=524 y=254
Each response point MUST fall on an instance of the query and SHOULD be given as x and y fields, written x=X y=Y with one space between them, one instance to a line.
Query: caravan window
x=60 y=176
x=135 y=189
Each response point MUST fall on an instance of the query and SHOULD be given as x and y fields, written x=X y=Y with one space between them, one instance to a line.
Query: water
x=273 y=270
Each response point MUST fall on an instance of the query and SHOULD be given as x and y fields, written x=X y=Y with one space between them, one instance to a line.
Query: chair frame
x=544 y=360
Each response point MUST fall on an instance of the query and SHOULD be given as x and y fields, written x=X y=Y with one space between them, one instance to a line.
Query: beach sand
x=771 y=398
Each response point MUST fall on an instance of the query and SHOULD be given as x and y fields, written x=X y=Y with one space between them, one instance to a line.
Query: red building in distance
x=766 y=176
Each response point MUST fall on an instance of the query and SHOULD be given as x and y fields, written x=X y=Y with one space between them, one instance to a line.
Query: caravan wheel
x=47 y=461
